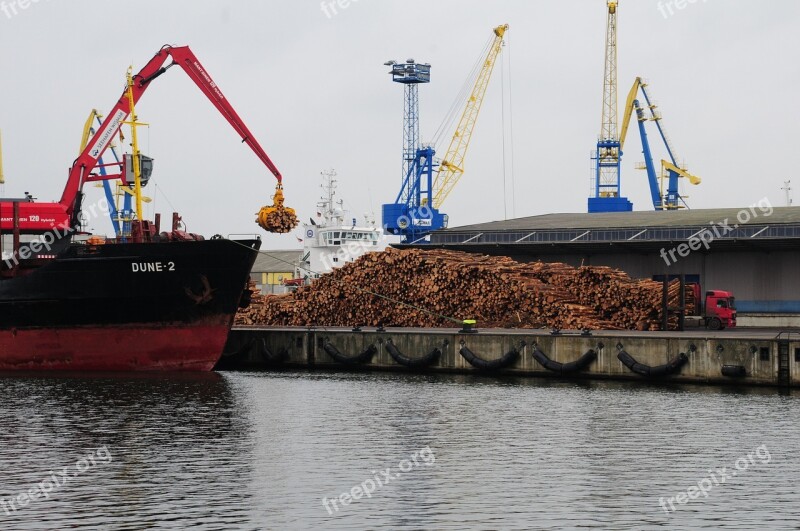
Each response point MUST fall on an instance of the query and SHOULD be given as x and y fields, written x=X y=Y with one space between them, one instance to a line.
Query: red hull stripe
x=113 y=348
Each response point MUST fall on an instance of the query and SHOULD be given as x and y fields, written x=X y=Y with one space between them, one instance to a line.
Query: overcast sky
x=313 y=89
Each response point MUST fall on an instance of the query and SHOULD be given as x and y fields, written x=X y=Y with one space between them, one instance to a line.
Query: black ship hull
x=129 y=306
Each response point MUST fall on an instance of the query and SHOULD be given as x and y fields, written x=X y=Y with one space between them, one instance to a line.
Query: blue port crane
x=426 y=183
x=406 y=216
x=606 y=195
x=664 y=197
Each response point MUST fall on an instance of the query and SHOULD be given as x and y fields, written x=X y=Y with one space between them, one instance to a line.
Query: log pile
x=440 y=288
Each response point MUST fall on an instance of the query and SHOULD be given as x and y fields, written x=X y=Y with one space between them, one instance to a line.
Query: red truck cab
x=719 y=309
x=716 y=311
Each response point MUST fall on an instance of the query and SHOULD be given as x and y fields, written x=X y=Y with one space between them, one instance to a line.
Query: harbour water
x=300 y=450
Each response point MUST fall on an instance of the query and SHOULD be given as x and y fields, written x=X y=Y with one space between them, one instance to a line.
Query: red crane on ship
x=37 y=217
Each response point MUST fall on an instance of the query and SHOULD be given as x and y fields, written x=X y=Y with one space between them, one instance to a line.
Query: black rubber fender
x=652 y=372
x=424 y=361
x=564 y=368
x=258 y=349
x=489 y=365
x=363 y=357
x=734 y=371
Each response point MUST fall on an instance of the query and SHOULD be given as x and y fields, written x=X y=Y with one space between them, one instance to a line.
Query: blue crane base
x=412 y=222
x=609 y=204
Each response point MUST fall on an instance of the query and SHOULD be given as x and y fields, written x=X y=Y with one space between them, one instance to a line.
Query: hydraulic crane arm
x=182 y=56
x=452 y=166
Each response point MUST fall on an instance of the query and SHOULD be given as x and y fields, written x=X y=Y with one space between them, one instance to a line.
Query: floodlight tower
x=410 y=74
x=605 y=194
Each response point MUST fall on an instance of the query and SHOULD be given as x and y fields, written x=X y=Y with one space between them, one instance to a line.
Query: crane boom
x=44 y=216
x=452 y=166
x=629 y=108
x=120 y=220
x=182 y=56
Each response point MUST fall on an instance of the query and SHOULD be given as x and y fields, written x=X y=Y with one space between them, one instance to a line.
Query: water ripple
x=262 y=451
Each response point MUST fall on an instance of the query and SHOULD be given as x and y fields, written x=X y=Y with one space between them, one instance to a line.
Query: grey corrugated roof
x=269 y=261
x=620 y=220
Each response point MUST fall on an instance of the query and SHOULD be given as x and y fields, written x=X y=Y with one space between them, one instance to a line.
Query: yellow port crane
x=452 y=166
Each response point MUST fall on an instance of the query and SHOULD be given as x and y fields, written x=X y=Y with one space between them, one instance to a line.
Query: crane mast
x=452 y=166
x=606 y=196
x=411 y=74
x=608 y=127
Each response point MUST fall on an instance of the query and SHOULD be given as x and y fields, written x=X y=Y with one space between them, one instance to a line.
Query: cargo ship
x=129 y=306
x=143 y=300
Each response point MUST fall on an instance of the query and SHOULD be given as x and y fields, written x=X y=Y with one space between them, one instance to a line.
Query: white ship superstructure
x=335 y=238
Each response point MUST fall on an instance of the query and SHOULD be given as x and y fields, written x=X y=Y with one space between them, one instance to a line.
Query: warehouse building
x=753 y=252
x=272 y=268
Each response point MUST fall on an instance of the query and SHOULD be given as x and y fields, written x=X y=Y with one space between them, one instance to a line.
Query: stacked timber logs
x=689 y=300
x=440 y=288
x=281 y=220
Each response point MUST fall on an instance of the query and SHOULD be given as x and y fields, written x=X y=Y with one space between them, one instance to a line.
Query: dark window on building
x=797 y=355
x=764 y=354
